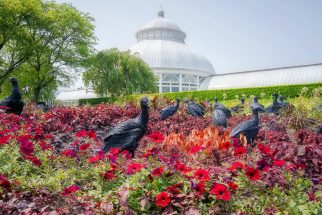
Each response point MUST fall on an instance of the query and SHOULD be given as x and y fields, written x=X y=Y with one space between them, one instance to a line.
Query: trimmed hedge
x=95 y=101
x=289 y=91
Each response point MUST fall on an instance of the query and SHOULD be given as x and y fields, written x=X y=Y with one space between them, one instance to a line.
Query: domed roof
x=161 y=45
x=170 y=54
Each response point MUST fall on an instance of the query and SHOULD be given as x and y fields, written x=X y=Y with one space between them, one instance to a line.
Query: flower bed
x=49 y=163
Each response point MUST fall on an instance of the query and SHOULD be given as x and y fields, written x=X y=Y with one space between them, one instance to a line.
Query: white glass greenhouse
x=268 y=77
x=160 y=43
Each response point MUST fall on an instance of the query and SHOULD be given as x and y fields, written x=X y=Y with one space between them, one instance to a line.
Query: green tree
x=16 y=16
x=62 y=39
x=116 y=73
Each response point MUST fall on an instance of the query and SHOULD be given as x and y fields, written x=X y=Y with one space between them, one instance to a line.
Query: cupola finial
x=161 y=13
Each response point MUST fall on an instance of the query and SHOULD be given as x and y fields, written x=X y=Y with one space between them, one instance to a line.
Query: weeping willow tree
x=116 y=73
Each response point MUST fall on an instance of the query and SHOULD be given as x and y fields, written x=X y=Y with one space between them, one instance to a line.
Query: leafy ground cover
x=50 y=164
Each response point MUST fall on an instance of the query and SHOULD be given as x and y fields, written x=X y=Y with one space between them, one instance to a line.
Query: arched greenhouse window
x=170 y=83
x=189 y=83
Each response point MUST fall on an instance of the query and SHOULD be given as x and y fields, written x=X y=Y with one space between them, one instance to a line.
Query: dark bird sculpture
x=127 y=134
x=255 y=104
x=239 y=107
x=250 y=127
x=219 y=118
x=275 y=107
x=219 y=106
x=13 y=102
x=169 y=110
x=282 y=103
x=194 y=109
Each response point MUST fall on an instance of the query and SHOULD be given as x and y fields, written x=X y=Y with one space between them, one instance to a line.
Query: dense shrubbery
x=49 y=163
x=289 y=91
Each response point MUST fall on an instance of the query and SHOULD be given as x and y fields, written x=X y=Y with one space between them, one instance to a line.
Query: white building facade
x=161 y=44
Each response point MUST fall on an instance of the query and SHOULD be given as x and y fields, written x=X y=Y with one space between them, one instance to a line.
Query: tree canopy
x=56 y=41
x=116 y=73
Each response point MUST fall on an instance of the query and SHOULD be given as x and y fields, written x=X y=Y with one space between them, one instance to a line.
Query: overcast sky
x=235 y=35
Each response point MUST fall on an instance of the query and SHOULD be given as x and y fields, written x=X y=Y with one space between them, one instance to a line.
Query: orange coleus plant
x=205 y=140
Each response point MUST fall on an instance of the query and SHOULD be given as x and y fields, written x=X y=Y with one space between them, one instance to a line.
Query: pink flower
x=70 y=190
x=26 y=147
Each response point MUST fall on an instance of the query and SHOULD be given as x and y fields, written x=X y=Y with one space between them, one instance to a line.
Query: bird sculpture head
x=145 y=102
x=275 y=95
x=216 y=99
x=13 y=80
x=255 y=99
x=282 y=98
x=178 y=99
x=186 y=100
x=242 y=100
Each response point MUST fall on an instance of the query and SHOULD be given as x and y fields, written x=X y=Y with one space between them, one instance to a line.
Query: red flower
x=4 y=140
x=279 y=163
x=181 y=167
x=94 y=159
x=26 y=147
x=253 y=174
x=195 y=149
x=175 y=189
x=156 y=137
x=68 y=153
x=69 y=190
x=239 y=151
x=225 y=146
x=33 y=159
x=265 y=150
x=202 y=175
x=84 y=147
x=158 y=171
x=108 y=175
x=133 y=168
x=232 y=185
x=91 y=134
x=114 y=151
x=200 y=188
x=4 y=183
x=81 y=133
x=162 y=199
x=237 y=165
x=220 y=191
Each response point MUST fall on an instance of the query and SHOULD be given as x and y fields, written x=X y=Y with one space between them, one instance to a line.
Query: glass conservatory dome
x=161 y=44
